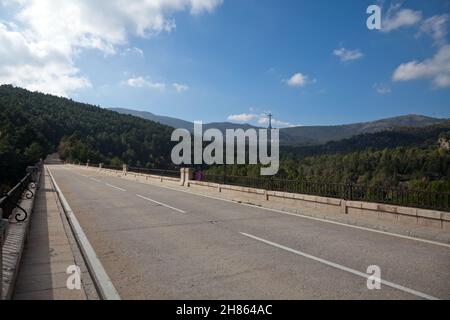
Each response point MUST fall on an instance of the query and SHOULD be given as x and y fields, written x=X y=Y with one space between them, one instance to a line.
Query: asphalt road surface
x=160 y=243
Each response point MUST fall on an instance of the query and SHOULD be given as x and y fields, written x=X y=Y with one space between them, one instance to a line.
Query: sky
x=309 y=62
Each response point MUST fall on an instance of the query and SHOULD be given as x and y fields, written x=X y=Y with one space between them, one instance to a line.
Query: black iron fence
x=395 y=196
x=105 y=166
x=152 y=171
x=11 y=200
x=156 y=172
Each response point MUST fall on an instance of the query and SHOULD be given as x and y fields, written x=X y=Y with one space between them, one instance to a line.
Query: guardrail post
x=182 y=177
x=344 y=207
x=100 y=166
x=187 y=174
x=125 y=169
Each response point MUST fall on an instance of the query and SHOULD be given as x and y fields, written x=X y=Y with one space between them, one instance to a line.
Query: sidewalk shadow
x=36 y=277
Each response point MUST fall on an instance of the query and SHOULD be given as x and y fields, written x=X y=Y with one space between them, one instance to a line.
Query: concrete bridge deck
x=162 y=243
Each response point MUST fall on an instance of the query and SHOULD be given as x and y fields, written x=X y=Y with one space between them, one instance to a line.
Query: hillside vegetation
x=403 y=157
x=323 y=134
x=33 y=125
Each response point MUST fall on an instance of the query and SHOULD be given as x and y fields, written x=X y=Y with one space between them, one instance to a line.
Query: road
x=161 y=243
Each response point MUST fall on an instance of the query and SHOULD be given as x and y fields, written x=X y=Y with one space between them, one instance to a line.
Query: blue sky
x=309 y=62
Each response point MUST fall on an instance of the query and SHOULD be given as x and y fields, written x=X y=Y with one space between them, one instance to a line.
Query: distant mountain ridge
x=307 y=135
x=168 y=121
x=182 y=124
x=402 y=137
x=324 y=134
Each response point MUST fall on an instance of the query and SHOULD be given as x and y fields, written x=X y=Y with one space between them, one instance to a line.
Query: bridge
x=155 y=236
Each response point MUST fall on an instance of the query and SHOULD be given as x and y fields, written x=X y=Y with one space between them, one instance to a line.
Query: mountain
x=307 y=135
x=168 y=121
x=402 y=137
x=407 y=157
x=324 y=134
x=33 y=125
x=182 y=124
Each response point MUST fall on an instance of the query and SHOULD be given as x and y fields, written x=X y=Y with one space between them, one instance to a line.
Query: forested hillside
x=408 y=157
x=399 y=137
x=33 y=125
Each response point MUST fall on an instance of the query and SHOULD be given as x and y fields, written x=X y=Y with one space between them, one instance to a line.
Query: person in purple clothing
x=199 y=175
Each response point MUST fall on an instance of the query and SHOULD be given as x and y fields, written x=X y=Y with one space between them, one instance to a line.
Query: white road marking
x=161 y=204
x=308 y=217
x=110 y=185
x=96 y=180
x=305 y=217
x=343 y=268
x=98 y=273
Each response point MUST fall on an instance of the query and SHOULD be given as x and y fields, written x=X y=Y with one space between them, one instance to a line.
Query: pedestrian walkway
x=49 y=252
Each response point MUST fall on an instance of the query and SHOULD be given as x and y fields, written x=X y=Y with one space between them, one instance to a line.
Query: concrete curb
x=103 y=283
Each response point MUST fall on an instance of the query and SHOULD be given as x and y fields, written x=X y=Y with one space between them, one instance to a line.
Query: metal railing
x=394 y=196
x=151 y=171
x=156 y=172
x=109 y=167
x=11 y=200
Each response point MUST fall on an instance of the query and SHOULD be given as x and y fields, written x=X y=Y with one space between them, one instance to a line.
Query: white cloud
x=264 y=120
x=436 y=27
x=146 y=83
x=260 y=119
x=299 y=80
x=396 y=18
x=134 y=50
x=37 y=66
x=54 y=32
x=141 y=82
x=244 y=117
x=199 y=6
x=180 y=87
x=382 y=88
x=348 y=55
x=436 y=68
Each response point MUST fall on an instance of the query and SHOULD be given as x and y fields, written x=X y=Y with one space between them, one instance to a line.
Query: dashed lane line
x=110 y=185
x=161 y=204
